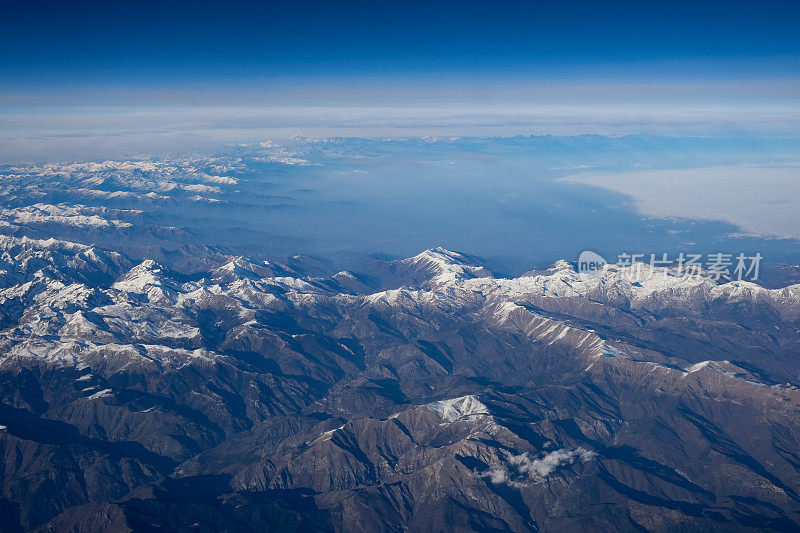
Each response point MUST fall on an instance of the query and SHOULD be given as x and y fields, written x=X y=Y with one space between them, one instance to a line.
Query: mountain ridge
x=453 y=399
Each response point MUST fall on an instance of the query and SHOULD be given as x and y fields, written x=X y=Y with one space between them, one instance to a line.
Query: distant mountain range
x=512 y=200
x=415 y=394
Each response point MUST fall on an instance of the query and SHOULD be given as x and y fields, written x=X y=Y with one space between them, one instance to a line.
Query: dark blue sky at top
x=52 y=44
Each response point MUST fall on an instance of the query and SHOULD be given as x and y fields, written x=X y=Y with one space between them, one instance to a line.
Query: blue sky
x=47 y=44
x=206 y=72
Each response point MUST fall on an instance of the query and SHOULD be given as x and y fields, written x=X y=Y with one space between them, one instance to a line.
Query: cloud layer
x=94 y=122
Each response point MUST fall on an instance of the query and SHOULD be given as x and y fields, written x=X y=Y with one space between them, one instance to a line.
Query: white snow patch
x=327 y=435
x=458 y=408
x=100 y=394
x=697 y=366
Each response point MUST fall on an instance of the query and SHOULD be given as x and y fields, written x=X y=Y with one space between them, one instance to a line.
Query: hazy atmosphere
x=416 y=266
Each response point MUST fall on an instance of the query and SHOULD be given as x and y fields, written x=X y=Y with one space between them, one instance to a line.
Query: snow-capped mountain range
x=417 y=391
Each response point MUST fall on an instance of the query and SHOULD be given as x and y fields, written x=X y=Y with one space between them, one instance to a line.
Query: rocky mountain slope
x=419 y=394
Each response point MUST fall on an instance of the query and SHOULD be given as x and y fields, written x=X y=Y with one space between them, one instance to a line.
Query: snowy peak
x=237 y=268
x=459 y=408
x=439 y=266
x=151 y=279
x=23 y=259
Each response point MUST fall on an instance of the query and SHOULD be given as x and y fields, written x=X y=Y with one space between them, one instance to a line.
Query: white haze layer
x=763 y=201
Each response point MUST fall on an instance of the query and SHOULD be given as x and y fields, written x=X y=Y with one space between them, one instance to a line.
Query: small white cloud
x=523 y=466
x=544 y=467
